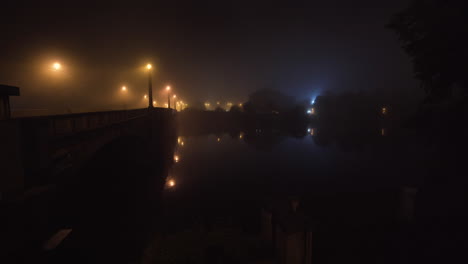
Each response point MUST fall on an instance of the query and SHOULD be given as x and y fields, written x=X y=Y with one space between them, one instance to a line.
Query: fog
x=205 y=51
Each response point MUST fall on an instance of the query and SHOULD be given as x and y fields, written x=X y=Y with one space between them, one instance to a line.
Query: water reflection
x=204 y=198
x=256 y=169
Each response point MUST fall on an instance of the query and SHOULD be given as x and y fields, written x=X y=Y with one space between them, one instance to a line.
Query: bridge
x=39 y=151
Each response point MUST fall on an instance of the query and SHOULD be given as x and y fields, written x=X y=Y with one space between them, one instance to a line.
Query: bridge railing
x=34 y=148
x=60 y=125
x=65 y=124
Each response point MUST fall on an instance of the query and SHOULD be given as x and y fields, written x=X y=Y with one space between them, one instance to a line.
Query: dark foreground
x=256 y=194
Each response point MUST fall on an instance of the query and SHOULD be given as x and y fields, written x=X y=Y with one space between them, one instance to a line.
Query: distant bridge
x=34 y=149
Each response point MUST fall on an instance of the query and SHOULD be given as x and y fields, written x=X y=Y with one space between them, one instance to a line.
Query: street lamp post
x=57 y=69
x=124 y=91
x=168 y=89
x=175 y=105
x=150 y=86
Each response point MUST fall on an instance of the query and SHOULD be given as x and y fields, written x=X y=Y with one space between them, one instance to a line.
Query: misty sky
x=205 y=50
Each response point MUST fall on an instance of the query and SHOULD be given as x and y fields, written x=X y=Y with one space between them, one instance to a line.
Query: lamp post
x=175 y=105
x=124 y=91
x=168 y=89
x=150 y=86
x=57 y=70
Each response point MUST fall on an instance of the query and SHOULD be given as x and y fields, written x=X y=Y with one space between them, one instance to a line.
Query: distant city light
x=382 y=132
x=241 y=135
x=180 y=141
x=168 y=88
x=174 y=96
x=311 y=132
x=384 y=110
x=176 y=158
x=154 y=103
x=166 y=105
x=218 y=139
x=312 y=102
x=148 y=66
x=309 y=112
x=217 y=103
x=308 y=130
x=124 y=88
x=145 y=96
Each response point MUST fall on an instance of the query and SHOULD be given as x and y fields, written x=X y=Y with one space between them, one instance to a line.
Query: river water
x=246 y=194
x=355 y=189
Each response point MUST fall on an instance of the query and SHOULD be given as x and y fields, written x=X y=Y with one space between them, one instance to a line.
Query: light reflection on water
x=266 y=161
x=341 y=179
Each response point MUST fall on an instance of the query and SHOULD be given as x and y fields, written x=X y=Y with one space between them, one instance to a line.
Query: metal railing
x=61 y=125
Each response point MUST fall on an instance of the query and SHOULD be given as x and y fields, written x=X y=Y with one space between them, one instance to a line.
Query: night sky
x=205 y=50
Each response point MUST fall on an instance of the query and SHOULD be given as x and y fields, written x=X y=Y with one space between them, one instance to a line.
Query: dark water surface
x=364 y=195
x=354 y=191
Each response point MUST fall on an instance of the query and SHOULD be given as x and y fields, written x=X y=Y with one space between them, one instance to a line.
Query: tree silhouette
x=434 y=34
x=235 y=109
x=268 y=101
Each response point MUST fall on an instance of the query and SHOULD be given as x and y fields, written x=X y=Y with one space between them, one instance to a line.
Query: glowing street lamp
x=56 y=66
x=174 y=97
x=150 y=85
x=171 y=183
x=124 y=92
x=176 y=158
x=168 y=89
